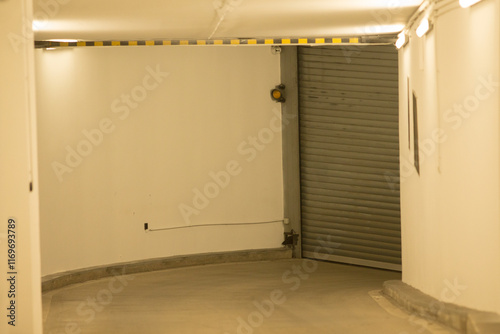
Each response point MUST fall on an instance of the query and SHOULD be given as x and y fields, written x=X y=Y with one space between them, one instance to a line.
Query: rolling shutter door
x=349 y=149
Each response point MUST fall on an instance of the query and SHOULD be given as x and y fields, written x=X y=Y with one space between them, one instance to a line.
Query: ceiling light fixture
x=423 y=27
x=468 y=3
x=402 y=40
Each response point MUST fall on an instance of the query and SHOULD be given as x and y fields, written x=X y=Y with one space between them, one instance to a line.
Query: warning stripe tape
x=262 y=41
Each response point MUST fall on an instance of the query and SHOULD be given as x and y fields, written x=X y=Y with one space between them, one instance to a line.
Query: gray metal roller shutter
x=349 y=151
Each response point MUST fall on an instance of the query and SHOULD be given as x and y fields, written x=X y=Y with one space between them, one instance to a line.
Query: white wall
x=20 y=286
x=450 y=213
x=152 y=150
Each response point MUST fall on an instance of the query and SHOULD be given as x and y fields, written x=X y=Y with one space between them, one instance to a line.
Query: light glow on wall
x=468 y=3
x=35 y=25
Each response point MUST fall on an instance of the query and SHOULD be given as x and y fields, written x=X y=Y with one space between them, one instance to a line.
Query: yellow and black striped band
x=170 y=42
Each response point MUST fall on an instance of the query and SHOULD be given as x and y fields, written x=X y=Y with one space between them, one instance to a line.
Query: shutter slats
x=330 y=139
x=316 y=220
x=352 y=81
x=343 y=68
x=351 y=119
x=319 y=70
x=356 y=153
x=353 y=189
x=359 y=196
x=321 y=218
x=367 y=255
x=314 y=84
x=373 y=52
x=361 y=203
x=349 y=151
x=345 y=239
x=347 y=94
x=344 y=127
x=343 y=107
x=383 y=152
x=318 y=164
x=389 y=64
x=368 y=209
x=339 y=135
x=352 y=211
x=323 y=156
x=318 y=96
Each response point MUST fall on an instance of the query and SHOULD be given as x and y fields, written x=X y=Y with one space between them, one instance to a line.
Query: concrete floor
x=287 y=296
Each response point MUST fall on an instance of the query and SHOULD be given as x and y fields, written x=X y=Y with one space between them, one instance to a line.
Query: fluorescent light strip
x=401 y=40
x=423 y=27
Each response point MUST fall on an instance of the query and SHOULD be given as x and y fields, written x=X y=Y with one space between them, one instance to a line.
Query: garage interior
x=154 y=181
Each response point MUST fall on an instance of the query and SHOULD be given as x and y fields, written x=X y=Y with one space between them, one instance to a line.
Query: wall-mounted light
x=402 y=40
x=423 y=27
x=278 y=93
x=468 y=3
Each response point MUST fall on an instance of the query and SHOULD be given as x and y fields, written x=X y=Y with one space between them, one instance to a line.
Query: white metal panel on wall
x=349 y=155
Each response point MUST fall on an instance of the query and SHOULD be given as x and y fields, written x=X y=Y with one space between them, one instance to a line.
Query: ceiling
x=206 y=19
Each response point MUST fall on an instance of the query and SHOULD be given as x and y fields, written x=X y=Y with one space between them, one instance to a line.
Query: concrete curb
x=463 y=319
x=59 y=280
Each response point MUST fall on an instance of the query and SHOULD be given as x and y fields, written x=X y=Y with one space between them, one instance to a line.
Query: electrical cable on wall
x=205 y=225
